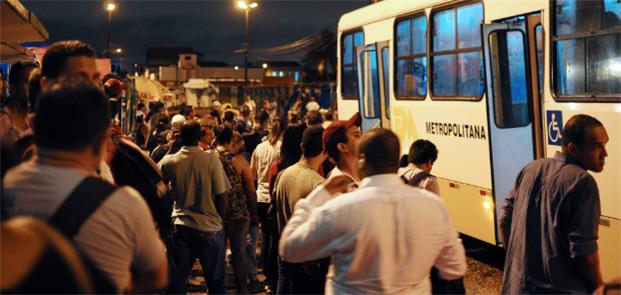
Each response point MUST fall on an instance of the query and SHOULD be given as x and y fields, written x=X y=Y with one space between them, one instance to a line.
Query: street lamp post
x=246 y=46
x=109 y=8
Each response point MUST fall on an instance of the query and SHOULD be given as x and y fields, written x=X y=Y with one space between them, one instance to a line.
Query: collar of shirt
x=383 y=180
x=565 y=158
x=191 y=148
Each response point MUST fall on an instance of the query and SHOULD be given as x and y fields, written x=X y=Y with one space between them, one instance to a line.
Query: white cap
x=178 y=118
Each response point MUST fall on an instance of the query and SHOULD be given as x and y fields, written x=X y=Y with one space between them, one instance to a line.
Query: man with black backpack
x=423 y=153
x=111 y=226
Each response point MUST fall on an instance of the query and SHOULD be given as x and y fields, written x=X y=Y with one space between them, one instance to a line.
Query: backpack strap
x=80 y=205
x=418 y=178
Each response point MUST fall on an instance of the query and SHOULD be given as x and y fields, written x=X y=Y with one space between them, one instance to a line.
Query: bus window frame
x=554 y=38
x=342 y=65
x=410 y=16
x=431 y=53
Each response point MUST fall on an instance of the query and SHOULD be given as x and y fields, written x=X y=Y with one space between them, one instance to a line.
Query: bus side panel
x=463 y=164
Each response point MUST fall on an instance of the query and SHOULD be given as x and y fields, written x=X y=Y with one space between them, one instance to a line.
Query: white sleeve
x=451 y=263
x=310 y=232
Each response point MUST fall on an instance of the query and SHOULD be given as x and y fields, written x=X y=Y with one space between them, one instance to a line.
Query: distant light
x=110 y=7
x=118 y=50
x=253 y=5
x=281 y=74
x=264 y=65
x=236 y=68
x=615 y=68
x=297 y=76
x=242 y=4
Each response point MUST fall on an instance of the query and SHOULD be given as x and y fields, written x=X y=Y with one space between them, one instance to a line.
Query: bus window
x=457 y=61
x=587 y=50
x=349 y=84
x=509 y=79
x=411 y=58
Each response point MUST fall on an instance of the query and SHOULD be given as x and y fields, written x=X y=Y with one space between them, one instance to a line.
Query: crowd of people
x=89 y=209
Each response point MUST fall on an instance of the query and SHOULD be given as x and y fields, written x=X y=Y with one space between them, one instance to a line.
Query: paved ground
x=484 y=274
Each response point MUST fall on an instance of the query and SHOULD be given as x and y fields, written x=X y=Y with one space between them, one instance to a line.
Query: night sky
x=214 y=28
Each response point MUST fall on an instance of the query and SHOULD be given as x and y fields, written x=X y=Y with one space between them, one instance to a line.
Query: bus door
x=373 y=71
x=509 y=103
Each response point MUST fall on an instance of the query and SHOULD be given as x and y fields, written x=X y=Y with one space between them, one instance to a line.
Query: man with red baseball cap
x=340 y=141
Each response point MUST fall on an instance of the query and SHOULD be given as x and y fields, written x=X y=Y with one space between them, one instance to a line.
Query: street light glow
x=264 y=65
x=118 y=50
x=110 y=6
x=236 y=68
x=244 y=5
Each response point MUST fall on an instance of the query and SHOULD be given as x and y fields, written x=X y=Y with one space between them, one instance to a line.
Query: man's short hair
x=422 y=151
x=381 y=149
x=16 y=75
x=72 y=114
x=55 y=58
x=190 y=133
x=576 y=127
x=312 y=144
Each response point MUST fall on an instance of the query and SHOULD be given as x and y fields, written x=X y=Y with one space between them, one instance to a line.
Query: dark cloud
x=212 y=27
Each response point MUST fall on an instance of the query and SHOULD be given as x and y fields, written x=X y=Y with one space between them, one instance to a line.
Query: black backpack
x=74 y=211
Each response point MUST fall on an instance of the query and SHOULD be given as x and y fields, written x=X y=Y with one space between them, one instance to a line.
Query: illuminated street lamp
x=264 y=65
x=242 y=4
x=110 y=6
x=118 y=51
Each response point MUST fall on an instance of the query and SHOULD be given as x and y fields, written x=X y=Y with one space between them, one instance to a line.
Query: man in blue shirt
x=551 y=216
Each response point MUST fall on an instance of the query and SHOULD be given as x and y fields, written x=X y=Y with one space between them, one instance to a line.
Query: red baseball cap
x=335 y=133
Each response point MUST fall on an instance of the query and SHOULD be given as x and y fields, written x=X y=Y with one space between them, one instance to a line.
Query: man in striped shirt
x=551 y=217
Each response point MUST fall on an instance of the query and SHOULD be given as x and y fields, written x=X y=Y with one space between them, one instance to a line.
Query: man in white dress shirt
x=384 y=237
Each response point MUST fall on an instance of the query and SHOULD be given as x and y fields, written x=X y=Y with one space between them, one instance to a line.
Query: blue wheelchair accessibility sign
x=554 y=123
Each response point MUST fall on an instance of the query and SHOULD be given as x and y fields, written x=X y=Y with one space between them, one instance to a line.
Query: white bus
x=491 y=83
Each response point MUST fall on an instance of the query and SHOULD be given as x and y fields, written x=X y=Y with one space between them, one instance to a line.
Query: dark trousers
x=269 y=247
x=189 y=244
x=236 y=232
x=302 y=278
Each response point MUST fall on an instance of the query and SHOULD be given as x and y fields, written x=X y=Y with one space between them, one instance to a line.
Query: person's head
x=240 y=126
x=229 y=117
x=423 y=153
x=245 y=110
x=224 y=135
x=312 y=146
x=237 y=143
x=208 y=126
x=190 y=133
x=584 y=140
x=378 y=153
x=313 y=118
x=70 y=58
x=276 y=131
x=140 y=106
x=290 y=149
x=72 y=115
x=328 y=116
x=187 y=111
x=341 y=138
x=19 y=77
x=34 y=88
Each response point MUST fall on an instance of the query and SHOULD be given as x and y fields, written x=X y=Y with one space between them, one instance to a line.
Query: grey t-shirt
x=118 y=237
x=196 y=177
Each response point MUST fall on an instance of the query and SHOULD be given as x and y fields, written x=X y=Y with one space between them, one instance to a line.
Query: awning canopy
x=200 y=84
x=18 y=25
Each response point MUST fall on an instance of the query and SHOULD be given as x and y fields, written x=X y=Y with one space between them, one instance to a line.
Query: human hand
x=338 y=184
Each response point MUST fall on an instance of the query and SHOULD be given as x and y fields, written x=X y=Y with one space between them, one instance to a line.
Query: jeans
x=251 y=252
x=236 y=232
x=187 y=245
